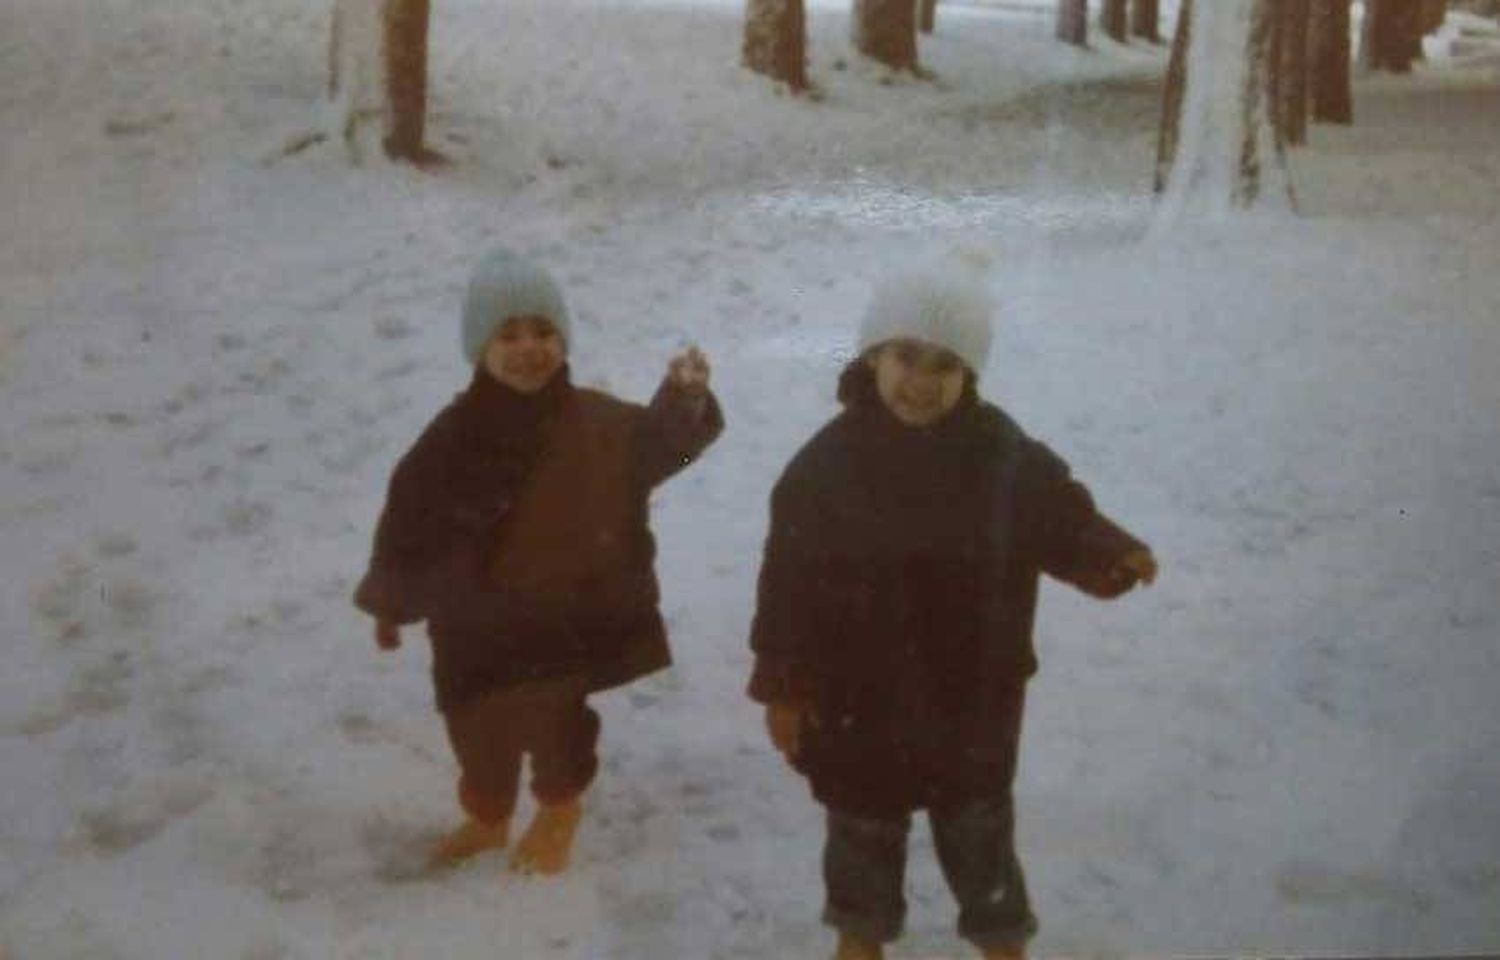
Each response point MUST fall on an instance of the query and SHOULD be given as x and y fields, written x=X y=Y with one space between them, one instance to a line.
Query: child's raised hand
x=387 y=635
x=1137 y=566
x=688 y=371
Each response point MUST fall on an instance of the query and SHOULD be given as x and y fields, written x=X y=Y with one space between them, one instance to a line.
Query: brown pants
x=549 y=720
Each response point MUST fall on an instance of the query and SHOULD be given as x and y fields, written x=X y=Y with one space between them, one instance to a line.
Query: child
x=892 y=635
x=517 y=528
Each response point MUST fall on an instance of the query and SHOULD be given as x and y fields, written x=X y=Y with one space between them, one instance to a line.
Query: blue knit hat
x=505 y=285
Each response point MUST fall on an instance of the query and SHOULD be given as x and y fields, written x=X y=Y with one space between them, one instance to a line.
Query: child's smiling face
x=918 y=382
x=525 y=353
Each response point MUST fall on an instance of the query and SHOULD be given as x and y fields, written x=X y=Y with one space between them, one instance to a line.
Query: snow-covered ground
x=208 y=363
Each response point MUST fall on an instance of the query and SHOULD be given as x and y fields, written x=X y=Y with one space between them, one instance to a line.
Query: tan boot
x=471 y=838
x=1005 y=953
x=547 y=845
x=854 y=948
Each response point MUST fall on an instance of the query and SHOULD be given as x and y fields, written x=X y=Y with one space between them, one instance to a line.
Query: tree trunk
x=406 y=24
x=775 y=42
x=1073 y=22
x=1406 y=36
x=1291 y=65
x=1392 y=35
x=1114 y=19
x=1172 y=91
x=1332 y=94
x=1145 y=17
x=886 y=31
x=926 y=15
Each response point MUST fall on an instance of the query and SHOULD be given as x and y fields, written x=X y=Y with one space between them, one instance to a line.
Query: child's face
x=525 y=353
x=918 y=381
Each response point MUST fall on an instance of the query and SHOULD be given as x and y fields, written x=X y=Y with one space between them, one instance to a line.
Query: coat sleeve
x=1070 y=539
x=676 y=427
x=782 y=632
x=407 y=536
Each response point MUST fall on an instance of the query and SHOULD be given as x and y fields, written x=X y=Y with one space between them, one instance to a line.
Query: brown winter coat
x=517 y=527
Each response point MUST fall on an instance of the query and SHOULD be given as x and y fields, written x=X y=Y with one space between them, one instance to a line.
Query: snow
x=209 y=363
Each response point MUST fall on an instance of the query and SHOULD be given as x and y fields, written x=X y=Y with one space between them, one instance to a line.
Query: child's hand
x=688 y=371
x=387 y=635
x=1137 y=566
x=784 y=723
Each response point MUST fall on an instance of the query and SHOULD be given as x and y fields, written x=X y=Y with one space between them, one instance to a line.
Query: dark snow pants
x=864 y=860
x=864 y=869
x=548 y=720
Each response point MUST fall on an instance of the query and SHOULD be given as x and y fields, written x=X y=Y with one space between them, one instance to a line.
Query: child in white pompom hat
x=893 y=628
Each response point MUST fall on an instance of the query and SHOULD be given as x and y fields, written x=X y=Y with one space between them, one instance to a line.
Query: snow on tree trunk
x=1228 y=156
x=1332 y=94
x=356 y=66
x=1291 y=70
x=775 y=41
x=1368 y=54
x=886 y=31
x=1145 y=17
x=1073 y=22
x=926 y=15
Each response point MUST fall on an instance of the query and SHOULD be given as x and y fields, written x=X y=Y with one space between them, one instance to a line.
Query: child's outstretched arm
x=682 y=419
x=1072 y=540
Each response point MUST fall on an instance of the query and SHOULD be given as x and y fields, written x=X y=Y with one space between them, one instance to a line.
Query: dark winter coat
x=897 y=594
x=517 y=527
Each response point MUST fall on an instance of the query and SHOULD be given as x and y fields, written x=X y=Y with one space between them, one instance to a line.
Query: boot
x=547 y=845
x=854 y=948
x=1017 y=952
x=473 y=837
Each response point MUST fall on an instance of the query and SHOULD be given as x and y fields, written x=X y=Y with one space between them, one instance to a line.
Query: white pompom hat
x=944 y=303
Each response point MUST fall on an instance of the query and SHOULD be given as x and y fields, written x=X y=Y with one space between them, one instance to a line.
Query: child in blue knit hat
x=517 y=528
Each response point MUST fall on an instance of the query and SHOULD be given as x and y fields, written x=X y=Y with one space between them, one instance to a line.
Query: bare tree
x=775 y=41
x=1145 y=16
x=1332 y=92
x=1114 y=18
x=886 y=31
x=1073 y=22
